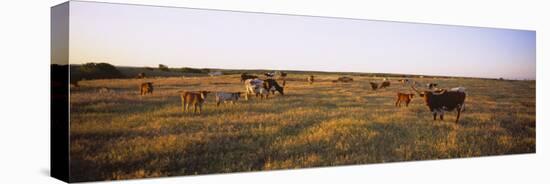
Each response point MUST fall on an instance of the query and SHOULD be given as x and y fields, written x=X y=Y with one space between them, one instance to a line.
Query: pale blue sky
x=129 y=35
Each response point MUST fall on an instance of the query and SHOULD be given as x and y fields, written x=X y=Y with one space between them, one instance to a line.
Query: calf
x=272 y=86
x=256 y=87
x=385 y=84
x=445 y=100
x=245 y=76
x=403 y=97
x=193 y=98
x=373 y=85
x=310 y=79
x=225 y=97
x=407 y=82
x=146 y=87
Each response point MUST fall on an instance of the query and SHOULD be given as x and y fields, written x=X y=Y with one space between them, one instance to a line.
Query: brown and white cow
x=256 y=87
x=311 y=79
x=145 y=88
x=444 y=100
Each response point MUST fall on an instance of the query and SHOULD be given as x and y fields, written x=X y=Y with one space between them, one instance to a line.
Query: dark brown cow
x=403 y=97
x=193 y=98
x=446 y=100
x=373 y=85
x=145 y=88
x=245 y=76
x=272 y=85
x=385 y=84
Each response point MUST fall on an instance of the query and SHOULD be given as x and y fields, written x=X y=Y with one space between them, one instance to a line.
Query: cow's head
x=203 y=94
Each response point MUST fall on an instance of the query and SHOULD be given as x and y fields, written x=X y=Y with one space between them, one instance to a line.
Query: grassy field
x=118 y=135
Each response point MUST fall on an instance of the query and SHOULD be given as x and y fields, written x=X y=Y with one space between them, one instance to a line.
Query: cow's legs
x=435 y=115
x=397 y=103
x=441 y=116
x=183 y=105
x=458 y=114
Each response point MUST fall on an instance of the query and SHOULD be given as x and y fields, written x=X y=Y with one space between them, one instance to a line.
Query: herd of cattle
x=438 y=100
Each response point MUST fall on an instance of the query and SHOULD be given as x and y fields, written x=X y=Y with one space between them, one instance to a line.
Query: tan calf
x=193 y=98
x=403 y=97
x=145 y=88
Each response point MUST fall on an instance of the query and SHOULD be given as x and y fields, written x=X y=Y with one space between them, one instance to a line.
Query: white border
x=25 y=94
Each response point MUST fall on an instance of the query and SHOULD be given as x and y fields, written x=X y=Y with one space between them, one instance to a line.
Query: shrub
x=190 y=70
x=163 y=67
x=99 y=71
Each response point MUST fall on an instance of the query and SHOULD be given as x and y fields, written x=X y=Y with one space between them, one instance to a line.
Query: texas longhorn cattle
x=407 y=82
x=145 y=88
x=444 y=100
x=311 y=79
x=403 y=98
x=256 y=87
x=373 y=85
x=431 y=85
x=196 y=99
x=385 y=84
x=272 y=86
x=227 y=97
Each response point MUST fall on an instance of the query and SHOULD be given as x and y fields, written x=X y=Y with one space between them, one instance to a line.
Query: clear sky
x=129 y=35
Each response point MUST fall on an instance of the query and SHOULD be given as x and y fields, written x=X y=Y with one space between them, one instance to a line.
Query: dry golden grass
x=118 y=135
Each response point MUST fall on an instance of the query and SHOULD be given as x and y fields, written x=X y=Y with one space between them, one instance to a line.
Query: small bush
x=191 y=70
x=163 y=67
x=99 y=71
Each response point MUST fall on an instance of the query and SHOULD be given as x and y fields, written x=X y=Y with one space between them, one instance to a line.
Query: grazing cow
x=310 y=79
x=403 y=97
x=245 y=76
x=196 y=99
x=373 y=85
x=141 y=75
x=407 y=82
x=269 y=74
x=431 y=85
x=256 y=87
x=385 y=84
x=146 y=87
x=225 y=97
x=272 y=86
x=446 y=100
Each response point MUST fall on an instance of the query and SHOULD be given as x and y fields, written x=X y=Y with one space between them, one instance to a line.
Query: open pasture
x=116 y=133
